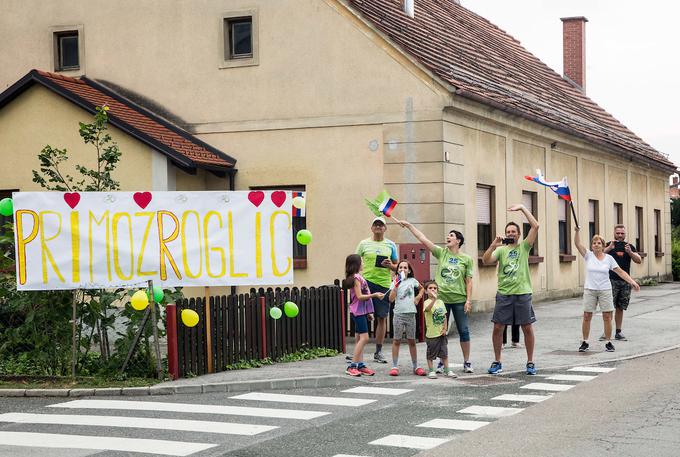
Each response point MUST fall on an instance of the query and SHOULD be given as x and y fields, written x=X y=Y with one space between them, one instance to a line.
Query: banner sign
x=94 y=240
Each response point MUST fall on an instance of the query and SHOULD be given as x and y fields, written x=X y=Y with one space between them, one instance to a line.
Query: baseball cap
x=379 y=219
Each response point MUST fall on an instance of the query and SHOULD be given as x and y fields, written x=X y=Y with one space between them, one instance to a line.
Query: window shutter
x=528 y=202
x=591 y=211
x=483 y=205
x=562 y=210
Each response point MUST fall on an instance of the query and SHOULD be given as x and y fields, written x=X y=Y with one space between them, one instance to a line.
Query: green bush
x=675 y=252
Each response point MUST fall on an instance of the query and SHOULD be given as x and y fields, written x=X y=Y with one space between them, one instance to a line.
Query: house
x=341 y=98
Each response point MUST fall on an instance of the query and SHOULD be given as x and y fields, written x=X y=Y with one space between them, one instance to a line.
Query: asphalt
x=650 y=324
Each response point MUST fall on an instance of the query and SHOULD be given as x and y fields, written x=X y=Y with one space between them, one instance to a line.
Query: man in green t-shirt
x=513 y=300
x=380 y=260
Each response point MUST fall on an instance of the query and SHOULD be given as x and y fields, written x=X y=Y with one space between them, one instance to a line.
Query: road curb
x=222 y=387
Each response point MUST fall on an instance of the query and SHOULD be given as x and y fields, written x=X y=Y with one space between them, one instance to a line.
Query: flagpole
x=573 y=212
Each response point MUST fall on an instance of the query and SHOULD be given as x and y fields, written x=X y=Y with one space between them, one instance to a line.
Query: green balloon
x=158 y=294
x=291 y=309
x=304 y=237
x=275 y=313
x=6 y=207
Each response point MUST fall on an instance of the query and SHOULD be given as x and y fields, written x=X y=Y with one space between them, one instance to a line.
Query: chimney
x=410 y=7
x=574 y=50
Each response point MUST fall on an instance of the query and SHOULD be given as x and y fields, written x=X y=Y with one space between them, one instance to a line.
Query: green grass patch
x=57 y=382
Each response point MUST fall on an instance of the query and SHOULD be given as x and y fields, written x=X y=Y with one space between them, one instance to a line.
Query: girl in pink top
x=361 y=307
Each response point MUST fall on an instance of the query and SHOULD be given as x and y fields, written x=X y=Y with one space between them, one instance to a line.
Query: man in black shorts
x=623 y=252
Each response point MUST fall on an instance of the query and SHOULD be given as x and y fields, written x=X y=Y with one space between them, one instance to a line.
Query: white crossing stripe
x=49 y=440
x=490 y=411
x=190 y=408
x=349 y=455
x=376 y=391
x=527 y=398
x=308 y=399
x=592 y=369
x=454 y=424
x=224 y=428
x=571 y=377
x=548 y=387
x=411 y=442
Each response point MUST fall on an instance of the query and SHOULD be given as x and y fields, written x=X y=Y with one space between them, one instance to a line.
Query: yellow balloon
x=299 y=202
x=189 y=317
x=139 y=300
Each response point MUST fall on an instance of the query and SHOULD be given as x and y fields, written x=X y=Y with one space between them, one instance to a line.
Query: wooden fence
x=234 y=328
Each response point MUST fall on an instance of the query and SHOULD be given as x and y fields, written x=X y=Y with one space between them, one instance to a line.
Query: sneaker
x=531 y=368
x=379 y=357
x=584 y=347
x=353 y=371
x=467 y=367
x=609 y=347
x=495 y=368
x=516 y=345
x=451 y=374
x=366 y=371
x=432 y=375
x=440 y=368
x=603 y=338
x=394 y=372
x=348 y=357
x=620 y=337
x=419 y=372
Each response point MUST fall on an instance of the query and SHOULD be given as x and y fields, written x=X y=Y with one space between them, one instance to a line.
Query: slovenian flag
x=298 y=212
x=382 y=205
x=561 y=188
x=387 y=206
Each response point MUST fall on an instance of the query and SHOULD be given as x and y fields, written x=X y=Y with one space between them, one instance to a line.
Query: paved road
x=397 y=419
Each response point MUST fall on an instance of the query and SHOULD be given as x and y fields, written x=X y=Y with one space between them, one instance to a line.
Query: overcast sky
x=632 y=56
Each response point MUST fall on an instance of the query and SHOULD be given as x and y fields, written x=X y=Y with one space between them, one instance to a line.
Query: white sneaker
x=432 y=375
x=451 y=374
x=467 y=367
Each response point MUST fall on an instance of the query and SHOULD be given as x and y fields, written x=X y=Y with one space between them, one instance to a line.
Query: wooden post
x=263 y=329
x=342 y=317
x=171 y=333
x=154 y=322
x=74 y=342
x=208 y=331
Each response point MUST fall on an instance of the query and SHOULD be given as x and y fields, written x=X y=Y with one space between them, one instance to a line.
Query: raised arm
x=419 y=235
x=487 y=258
x=419 y=296
x=634 y=256
x=533 y=231
x=577 y=241
x=626 y=277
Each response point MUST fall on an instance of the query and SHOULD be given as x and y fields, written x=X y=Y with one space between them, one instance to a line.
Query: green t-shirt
x=451 y=273
x=513 y=269
x=368 y=249
x=435 y=319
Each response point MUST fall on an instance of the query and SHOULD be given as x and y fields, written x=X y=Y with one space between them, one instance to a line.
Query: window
x=529 y=200
x=67 y=55
x=299 y=223
x=564 y=221
x=485 y=217
x=618 y=213
x=5 y=219
x=639 y=229
x=239 y=29
x=593 y=219
x=657 y=231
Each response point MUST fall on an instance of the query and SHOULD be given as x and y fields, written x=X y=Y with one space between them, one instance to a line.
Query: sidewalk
x=650 y=324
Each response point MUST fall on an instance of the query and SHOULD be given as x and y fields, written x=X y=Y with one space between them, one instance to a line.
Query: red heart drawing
x=72 y=199
x=256 y=197
x=142 y=199
x=278 y=198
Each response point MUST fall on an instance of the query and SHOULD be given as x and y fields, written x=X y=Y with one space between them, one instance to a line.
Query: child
x=361 y=307
x=403 y=294
x=435 y=335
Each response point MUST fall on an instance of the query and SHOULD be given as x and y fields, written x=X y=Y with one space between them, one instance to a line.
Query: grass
x=41 y=382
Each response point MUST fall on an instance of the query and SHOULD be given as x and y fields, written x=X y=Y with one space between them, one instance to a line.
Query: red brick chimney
x=574 y=50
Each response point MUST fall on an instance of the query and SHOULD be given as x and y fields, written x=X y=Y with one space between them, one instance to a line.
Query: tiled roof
x=484 y=63
x=182 y=147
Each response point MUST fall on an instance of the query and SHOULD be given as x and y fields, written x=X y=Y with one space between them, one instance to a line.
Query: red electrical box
x=419 y=257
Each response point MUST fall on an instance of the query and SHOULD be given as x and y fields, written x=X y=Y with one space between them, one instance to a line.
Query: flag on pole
x=561 y=188
x=382 y=205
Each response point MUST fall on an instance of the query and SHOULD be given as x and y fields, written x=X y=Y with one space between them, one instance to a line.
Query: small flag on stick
x=382 y=205
x=561 y=188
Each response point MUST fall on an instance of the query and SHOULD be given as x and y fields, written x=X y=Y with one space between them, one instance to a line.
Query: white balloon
x=299 y=202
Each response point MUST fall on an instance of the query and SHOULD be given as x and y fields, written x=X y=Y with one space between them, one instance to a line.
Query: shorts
x=381 y=308
x=592 y=298
x=461 y=319
x=620 y=293
x=437 y=348
x=513 y=310
x=404 y=326
x=360 y=323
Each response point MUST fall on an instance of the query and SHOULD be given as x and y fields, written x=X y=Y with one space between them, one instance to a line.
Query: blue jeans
x=461 y=319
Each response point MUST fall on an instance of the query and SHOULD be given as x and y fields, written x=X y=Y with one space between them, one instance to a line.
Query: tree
x=675 y=213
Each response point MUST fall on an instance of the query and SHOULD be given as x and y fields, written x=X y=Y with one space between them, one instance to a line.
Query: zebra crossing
x=235 y=420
